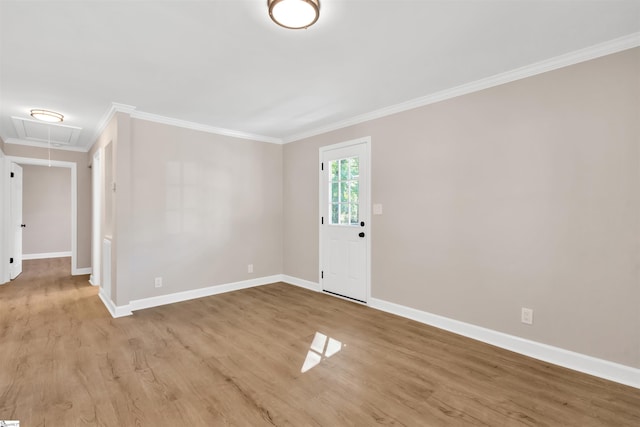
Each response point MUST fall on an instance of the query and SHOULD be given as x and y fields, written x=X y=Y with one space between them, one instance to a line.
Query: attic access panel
x=33 y=130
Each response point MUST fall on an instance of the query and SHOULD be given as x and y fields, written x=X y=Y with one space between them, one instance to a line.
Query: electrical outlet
x=526 y=316
x=158 y=282
x=250 y=268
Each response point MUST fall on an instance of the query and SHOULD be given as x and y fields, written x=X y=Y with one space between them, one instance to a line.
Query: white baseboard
x=81 y=271
x=92 y=280
x=45 y=255
x=140 y=304
x=558 y=356
x=312 y=286
x=116 y=311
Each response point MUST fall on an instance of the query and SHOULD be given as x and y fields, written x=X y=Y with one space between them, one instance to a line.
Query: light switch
x=377 y=209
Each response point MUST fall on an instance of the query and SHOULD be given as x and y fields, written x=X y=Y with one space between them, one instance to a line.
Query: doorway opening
x=11 y=245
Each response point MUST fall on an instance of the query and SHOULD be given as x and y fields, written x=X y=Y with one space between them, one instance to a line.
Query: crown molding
x=19 y=141
x=107 y=116
x=141 y=115
x=203 y=128
x=596 y=51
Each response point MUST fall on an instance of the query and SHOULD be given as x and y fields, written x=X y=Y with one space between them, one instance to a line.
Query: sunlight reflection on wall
x=194 y=193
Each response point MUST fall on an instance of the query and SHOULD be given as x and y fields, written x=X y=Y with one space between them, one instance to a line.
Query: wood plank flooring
x=236 y=359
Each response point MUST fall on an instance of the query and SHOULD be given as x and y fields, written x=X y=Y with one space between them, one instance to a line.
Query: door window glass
x=344 y=187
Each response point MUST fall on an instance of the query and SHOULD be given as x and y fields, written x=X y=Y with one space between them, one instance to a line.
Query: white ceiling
x=224 y=64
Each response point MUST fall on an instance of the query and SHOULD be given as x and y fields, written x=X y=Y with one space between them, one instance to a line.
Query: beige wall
x=83 y=191
x=46 y=209
x=203 y=207
x=522 y=195
x=191 y=207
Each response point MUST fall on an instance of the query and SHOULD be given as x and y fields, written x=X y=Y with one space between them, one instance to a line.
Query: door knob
x=361 y=223
x=361 y=234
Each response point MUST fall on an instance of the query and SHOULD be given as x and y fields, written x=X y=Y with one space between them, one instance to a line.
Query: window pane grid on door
x=344 y=187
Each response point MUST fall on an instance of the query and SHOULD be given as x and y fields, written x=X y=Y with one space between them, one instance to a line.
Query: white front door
x=345 y=227
x=16 y=221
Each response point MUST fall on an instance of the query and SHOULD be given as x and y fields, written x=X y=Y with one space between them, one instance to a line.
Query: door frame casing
x=4 y=221
x=74 y=203
x=366 y=141
x=15 y=229
x=96 y=218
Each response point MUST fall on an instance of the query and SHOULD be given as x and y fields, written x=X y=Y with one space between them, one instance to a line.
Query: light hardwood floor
x=236 y=359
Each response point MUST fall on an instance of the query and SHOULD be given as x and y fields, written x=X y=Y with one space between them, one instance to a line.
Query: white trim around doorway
x=74 y=203
x=367 y=144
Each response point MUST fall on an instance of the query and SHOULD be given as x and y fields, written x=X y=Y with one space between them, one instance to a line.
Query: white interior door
x=16 y=221
x=345 y=228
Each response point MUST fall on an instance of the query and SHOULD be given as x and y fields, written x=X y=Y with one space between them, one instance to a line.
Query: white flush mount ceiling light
x=47 y=116
x=294 y=14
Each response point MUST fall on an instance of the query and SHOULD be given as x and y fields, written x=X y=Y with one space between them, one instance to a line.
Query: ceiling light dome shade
x=47 y=116
x=294 y=14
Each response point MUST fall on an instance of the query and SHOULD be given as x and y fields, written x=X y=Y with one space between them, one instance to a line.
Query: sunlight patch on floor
x=320 y=346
